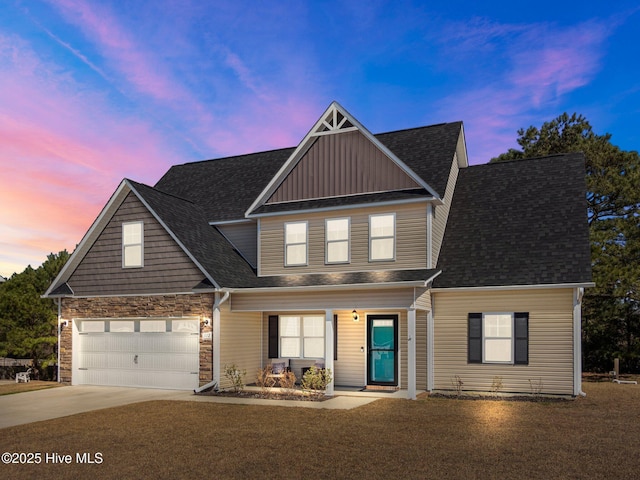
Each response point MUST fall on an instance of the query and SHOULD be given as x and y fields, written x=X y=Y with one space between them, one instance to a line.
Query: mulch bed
x=272 y=395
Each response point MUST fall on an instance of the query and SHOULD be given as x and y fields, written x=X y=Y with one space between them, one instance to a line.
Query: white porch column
x=411 y=353
x=328 y=349
x=430 y=355
x=215 y=346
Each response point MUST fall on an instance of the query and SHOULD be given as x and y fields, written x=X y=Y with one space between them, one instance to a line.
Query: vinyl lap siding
x=411 y=241
x=167 y=268
x=550 y=340
x=320 y=300
x=240 y=344
x=441 y=212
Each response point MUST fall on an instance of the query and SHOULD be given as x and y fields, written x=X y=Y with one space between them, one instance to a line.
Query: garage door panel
x=152 y=359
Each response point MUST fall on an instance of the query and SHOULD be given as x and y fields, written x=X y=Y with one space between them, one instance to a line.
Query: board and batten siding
x=167 y=269
x=244 y=237
x=550 y=340
x=411 y=241
x=240 y=343
x=441 y=212
x=341 y=164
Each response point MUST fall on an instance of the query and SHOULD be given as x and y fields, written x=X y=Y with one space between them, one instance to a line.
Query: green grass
x=593 y=437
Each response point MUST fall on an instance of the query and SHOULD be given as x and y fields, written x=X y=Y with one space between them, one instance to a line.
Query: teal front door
x=382 y=350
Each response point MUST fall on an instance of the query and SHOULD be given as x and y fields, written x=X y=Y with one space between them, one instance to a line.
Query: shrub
x=235 y=376
x=457 y=383
x=496 y=386
x=316 y=379
x=264 y=379
x=288 y=381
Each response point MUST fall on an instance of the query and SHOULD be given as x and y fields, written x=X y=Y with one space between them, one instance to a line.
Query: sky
x=92 y=92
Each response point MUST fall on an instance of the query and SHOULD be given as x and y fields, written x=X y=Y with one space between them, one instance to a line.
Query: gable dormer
x=339 y=158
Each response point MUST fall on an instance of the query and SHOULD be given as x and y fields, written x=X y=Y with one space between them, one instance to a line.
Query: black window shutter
x=273 y=336
x=335 y=337
x=521 y=327
x=474 y=349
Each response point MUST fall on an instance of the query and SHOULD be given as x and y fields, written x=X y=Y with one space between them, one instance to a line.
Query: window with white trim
x=498 y=337
x=301 y=336
x=337 y=240
x=295 y=243
x=132 y=245
x=382 y=237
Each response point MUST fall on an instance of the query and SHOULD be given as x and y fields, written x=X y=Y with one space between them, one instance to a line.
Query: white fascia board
x=304 y=145
x=175 y=238
x=229 y=222
x=516 y=287
x=346 y=207
x=92 y=234
x=415 y=177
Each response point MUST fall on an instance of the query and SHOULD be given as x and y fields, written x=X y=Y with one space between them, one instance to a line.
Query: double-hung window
x=337 y=240
x=295 y=243
x=301 y=336
x=132 y=245
x=382 y=237
x=498 y=337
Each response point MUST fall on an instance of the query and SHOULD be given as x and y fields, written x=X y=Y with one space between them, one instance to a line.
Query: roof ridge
x=162 y=191
x=419 y=128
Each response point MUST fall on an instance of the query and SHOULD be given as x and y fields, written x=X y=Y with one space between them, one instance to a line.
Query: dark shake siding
x=167 y=269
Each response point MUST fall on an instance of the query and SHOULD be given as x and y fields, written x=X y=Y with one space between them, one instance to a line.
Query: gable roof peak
x=336 y=120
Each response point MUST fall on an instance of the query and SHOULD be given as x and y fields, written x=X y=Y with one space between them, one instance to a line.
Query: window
x=382 y=237
x=498 y=338
x=295 y=244
x=337 y=240
x=132 y=245
x=299 y=336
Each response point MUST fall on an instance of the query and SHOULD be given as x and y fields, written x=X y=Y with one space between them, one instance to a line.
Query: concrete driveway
x=27 y=407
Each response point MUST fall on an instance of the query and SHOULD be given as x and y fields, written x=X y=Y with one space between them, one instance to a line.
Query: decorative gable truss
x=337 y=158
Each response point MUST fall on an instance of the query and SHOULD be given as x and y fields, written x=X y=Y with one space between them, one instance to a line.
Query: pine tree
x=612 y=309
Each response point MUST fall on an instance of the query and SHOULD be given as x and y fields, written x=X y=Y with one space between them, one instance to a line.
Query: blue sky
x=95 y=91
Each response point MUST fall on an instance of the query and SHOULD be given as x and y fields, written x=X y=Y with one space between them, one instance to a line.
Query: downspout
x=577 y=341
x=216 y=335
x=215 y=360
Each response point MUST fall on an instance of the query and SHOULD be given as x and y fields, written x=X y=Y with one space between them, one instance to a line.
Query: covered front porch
x=375 y=341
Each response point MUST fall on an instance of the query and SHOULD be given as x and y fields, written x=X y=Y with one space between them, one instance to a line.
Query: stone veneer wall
x=196 y=305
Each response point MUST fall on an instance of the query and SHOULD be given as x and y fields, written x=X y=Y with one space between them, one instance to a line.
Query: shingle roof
x=224 y=264
x=518 y=223
x=226 y=188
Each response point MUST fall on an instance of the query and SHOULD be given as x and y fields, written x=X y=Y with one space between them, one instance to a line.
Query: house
x=386 y=256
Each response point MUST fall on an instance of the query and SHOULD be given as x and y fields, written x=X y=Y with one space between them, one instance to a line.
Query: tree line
x=29 y=323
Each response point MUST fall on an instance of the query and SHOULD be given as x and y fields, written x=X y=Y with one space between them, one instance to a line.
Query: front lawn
x=593 y=437
x=9 y=388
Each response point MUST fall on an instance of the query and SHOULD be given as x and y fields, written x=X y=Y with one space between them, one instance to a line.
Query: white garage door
x=155 y=353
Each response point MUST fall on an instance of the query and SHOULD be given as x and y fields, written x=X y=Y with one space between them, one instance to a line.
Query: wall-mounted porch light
x=355 y=315
x=206 y=321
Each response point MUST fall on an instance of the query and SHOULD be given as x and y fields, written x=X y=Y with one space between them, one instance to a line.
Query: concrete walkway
x=35 y=406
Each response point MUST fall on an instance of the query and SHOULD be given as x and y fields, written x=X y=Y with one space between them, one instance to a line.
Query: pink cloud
x=543 y=63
